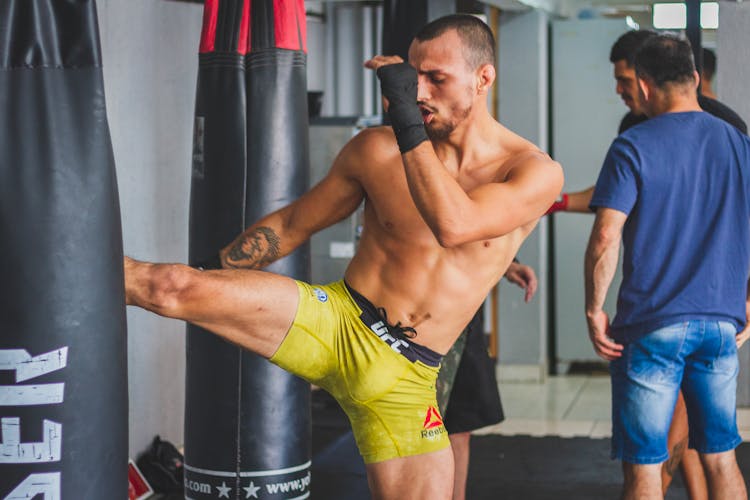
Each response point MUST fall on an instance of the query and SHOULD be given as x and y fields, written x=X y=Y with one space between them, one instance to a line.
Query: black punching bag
x=247 y=422
x=402 y=19
x=63 y=350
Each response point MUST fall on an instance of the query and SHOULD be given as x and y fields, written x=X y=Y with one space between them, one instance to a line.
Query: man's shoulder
x=380 y=136
x=645 y=131
x=529 y=161
x=372 y=145
x=722 y=111
x=513 y=150
x=629 y=121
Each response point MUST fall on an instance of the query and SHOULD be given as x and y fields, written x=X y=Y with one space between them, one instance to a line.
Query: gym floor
x=553 y=444
x=566 y=406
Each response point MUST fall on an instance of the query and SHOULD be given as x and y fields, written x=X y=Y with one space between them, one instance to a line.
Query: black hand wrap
x=398 y=83
x=213 y=262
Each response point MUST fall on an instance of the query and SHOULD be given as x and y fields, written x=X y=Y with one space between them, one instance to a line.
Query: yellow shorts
x=384 y=382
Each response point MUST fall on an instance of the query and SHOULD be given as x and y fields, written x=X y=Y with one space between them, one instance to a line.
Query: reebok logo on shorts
x=433 y=423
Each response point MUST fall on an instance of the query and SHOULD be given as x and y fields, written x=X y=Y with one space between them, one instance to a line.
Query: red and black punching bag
x=247 y=422
x=63 y=349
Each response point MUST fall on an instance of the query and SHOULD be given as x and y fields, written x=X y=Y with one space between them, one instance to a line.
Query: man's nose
x=423 y=93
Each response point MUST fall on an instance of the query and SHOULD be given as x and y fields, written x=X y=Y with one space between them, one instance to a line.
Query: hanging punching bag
x=247 y=422
x=402 y=19
x=63 y=351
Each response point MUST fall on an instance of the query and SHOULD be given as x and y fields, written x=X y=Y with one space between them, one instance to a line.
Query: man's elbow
x=604 y=236
x=449 y=235
x=455 y=235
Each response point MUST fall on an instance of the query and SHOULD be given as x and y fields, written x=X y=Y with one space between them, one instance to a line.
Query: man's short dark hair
x=628 y=44
x=666 y=59
x=709 y=63
x=479 y=43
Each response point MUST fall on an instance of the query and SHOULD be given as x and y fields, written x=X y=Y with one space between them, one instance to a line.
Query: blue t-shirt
x=683 y=179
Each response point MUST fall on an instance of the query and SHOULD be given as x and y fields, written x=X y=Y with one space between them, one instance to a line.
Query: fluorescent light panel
x=674 y=15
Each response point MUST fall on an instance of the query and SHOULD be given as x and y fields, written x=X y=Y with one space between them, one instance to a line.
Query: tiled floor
x=566 y=406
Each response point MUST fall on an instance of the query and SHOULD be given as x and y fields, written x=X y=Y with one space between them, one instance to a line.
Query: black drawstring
x=401 y=329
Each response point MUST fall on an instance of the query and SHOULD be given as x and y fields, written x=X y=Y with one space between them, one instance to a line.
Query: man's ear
x=485 y=78
x=644 y=87
x=697 y=78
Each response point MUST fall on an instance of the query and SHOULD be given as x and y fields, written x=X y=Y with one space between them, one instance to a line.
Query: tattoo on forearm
x=256 y=250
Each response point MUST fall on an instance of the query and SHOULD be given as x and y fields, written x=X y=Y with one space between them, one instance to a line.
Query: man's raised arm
x=488 y=211
x=453 y=215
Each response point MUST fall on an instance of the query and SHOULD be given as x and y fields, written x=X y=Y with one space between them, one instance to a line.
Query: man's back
x=682 y=179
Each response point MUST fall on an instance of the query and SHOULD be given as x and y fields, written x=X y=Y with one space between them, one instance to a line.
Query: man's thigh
x=253 y=309
x=428 y=476
x=710 y=388
x=645 y=383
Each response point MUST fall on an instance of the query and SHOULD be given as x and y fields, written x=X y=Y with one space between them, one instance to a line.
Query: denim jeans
x=698 y=356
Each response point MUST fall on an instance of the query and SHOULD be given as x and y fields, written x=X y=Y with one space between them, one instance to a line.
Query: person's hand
x=523 y=276
x=560 y=205
x=399 y=85
x=743 y=335
x=378 y=62
x=604 y=346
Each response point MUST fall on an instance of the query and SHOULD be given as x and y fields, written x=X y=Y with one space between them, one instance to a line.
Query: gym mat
x=502 y=467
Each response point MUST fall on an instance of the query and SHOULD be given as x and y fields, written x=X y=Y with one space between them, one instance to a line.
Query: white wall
x=732 y=69
x=149 y=53
x=523 y=100
x=586 y=112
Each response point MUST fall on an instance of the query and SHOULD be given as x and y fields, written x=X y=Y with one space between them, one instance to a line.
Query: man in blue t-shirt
x=676 y=191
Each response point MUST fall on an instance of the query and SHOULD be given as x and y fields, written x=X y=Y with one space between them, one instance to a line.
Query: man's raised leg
x=253 y=309
x=428 y=476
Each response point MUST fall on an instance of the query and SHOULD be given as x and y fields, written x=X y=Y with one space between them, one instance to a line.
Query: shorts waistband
x=393 y=335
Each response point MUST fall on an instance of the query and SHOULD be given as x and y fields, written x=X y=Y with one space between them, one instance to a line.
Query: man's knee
x=169 y=285
x=717 y=463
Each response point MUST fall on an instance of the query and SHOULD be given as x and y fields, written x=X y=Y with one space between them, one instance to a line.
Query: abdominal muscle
x=433 y=289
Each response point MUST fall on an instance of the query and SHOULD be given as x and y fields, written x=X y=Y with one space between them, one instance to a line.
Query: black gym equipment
x=63 y=349
x=247 y=422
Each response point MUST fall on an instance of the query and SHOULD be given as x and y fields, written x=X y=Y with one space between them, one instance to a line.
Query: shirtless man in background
x=450 y=194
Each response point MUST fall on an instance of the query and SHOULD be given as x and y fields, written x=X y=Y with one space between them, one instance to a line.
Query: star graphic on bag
x=252 y=490
x=224 y=490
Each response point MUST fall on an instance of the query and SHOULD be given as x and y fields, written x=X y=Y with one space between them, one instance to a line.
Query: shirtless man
x=450 y=195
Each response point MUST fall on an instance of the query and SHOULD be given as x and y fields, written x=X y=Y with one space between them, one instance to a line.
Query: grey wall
x=585 y=116
x=149 y=52
x=733 y=75
x=523 y=107
x=733 y=72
